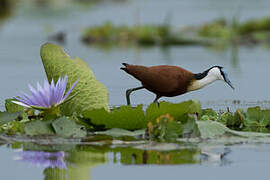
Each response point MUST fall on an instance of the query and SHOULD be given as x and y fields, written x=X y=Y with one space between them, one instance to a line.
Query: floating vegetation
x=216 y=29
x=88 y=112
x=130 y=118
x=184 y=120
x=48 y=97
x=88 y=94
x=249 y=32
x=6 y=8
x=220 y=31
x=144 y=35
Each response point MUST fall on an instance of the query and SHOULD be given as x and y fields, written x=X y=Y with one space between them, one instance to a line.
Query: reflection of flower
x=45 y=159
x=46 y=97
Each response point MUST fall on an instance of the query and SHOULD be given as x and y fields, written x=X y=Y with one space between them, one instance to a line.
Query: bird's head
x=220 y=73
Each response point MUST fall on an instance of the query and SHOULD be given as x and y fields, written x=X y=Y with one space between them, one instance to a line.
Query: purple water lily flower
x=50 y=95
x=44 y=159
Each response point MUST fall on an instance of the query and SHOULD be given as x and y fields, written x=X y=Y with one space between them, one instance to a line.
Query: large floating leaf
x=126 y=117
x=213 y=129
x=12 y=107
x=68 y=128
x=257 y=117
x=130 y=118
x=178 y=111
x=6 y=117
x=191 y=128
x=61 y=127
x=39 y=127
x=90 y=93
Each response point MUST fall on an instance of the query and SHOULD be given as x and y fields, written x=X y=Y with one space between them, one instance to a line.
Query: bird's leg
x=129 y=91
x=156 y=100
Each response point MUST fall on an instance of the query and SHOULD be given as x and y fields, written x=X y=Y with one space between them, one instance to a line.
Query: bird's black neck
x=202 y=75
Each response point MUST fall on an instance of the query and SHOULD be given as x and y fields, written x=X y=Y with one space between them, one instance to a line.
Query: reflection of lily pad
x=130 y=155
x=90 y=93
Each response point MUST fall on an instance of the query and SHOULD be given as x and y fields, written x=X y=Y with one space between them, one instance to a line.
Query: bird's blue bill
x=226 y=79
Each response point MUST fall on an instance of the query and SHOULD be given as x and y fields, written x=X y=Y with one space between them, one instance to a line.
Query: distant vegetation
x=212 y=33
x=109 y=34
x=249 y=32
x=6 y=9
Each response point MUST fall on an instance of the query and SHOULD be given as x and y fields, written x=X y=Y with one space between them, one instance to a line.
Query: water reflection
x=43 y=159
x=234 y=56
x=129 y=156
x=76 y=161
x=79 y=164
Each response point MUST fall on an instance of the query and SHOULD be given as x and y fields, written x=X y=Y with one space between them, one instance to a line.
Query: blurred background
x=198 y=35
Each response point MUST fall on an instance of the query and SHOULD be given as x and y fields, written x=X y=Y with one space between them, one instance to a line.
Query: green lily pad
x=256 y=117
x=68 y=128
x=213 y=129
x=209 y=114
x=89 y=92
x=39 y=127
x=6 y=117
x=191 y=128
x=125 y=117
x=130 y=118
x=12 y=107
x=178 y=111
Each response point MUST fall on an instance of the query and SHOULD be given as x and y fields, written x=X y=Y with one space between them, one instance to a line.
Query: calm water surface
x=28 y=27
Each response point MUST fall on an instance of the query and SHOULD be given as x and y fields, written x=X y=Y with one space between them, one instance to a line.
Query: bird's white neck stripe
x=198 y=84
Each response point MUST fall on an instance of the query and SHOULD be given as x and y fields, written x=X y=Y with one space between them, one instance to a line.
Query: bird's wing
x=166 y=79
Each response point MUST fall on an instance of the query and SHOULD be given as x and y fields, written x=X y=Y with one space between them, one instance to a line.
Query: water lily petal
x=53 y=93
x=42 y=92
x=69 y=91
x=57 y=89
x=47 y=96
x=23 y=100
x=21 y=103
x=47 y=90
x=36 y=97
x=62 y=89
x=43 y=96
x=31 y=100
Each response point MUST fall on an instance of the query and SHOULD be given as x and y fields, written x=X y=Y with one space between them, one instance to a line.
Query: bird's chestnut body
x=172 y=81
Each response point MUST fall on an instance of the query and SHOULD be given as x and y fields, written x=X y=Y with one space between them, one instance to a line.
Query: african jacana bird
x=172 y=81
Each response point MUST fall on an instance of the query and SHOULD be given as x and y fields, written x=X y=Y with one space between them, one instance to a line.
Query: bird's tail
x=125 y=68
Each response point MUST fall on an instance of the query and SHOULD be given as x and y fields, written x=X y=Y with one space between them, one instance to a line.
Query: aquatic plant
x=165 y=129
x=46 y=97
x=216 y=29
x=144 y=35
x=90 y=93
